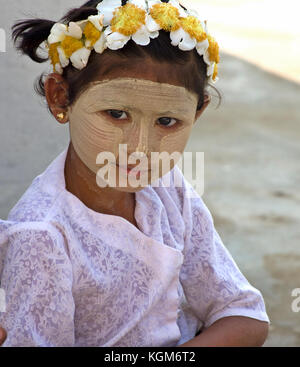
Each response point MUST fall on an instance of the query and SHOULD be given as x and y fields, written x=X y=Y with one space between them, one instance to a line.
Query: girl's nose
x=139 y=139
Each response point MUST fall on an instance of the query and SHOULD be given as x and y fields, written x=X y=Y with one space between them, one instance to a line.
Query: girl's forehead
x=126 y=87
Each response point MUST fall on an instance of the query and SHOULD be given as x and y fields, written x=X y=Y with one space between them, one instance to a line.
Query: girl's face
x=142 y=115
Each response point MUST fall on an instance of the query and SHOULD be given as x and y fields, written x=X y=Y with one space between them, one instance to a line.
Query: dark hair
x=188 y=68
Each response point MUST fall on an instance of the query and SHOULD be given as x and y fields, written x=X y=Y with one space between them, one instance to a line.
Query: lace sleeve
x=213 y=284
x=37 y=280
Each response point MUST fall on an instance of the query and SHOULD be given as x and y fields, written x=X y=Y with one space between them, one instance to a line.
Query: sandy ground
x=252 y=171
x=252 y=149
x=252 y=176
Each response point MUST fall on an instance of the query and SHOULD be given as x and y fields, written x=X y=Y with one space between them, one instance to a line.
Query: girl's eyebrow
x=105 y=101
x=120 y=105
x=178 y=113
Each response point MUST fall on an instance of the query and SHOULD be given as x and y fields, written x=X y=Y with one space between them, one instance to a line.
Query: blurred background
x=251 y=142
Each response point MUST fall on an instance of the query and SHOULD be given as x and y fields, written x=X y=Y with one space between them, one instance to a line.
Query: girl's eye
x=167 y=121
x=122 y=115
x=117 y=114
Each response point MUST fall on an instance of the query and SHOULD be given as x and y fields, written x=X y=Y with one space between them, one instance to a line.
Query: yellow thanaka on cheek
x=90 y=134
x=175 y=141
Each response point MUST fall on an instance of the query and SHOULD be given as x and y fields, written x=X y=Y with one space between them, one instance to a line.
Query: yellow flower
x=91 y=33
x=193 y=26
x=167 y=16
x=53 y=53
x=70 y=45
x=215 y=74
x=213 y=50
x=128 y=19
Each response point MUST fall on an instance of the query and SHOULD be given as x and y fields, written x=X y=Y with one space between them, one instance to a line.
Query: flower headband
x=139 y=20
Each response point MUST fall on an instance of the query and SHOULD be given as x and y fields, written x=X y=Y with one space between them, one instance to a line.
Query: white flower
x=154 y=34
x=97 y=21
x=115 y=40
x=188 y=43
x=80 y=58
x=101 y=44
x=82 y=24
x=211 y=68
x=151 y=24
x=176 y=4
x=183 y=40
x=60 y=31
x=64 y=61
x=142 y=36
x=202 y=47
x=107 y=8
x=74 y=31
x=140 y=3
x=153 y=2
x=57 y=33
x=193 y=13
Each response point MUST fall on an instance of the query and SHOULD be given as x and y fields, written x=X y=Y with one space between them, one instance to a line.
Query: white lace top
x=76 y=277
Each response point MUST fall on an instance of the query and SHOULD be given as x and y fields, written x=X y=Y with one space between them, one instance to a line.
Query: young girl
x=84 y=264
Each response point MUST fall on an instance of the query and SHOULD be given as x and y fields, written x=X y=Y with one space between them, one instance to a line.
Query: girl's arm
x=232 y=331
x=229 y=309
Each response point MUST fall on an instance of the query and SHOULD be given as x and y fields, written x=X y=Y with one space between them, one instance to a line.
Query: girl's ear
x=207 y=99
x=57 y=91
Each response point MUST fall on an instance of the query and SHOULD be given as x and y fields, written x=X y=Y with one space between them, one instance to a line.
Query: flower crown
x=139 y=20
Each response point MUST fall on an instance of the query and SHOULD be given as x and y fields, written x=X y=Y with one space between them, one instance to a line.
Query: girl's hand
x=232 y=331
x=2 y=335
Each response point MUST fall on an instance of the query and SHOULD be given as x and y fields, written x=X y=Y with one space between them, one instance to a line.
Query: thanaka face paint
x=142 y=104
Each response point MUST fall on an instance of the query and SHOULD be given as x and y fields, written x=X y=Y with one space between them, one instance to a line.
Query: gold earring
x=61 y=116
